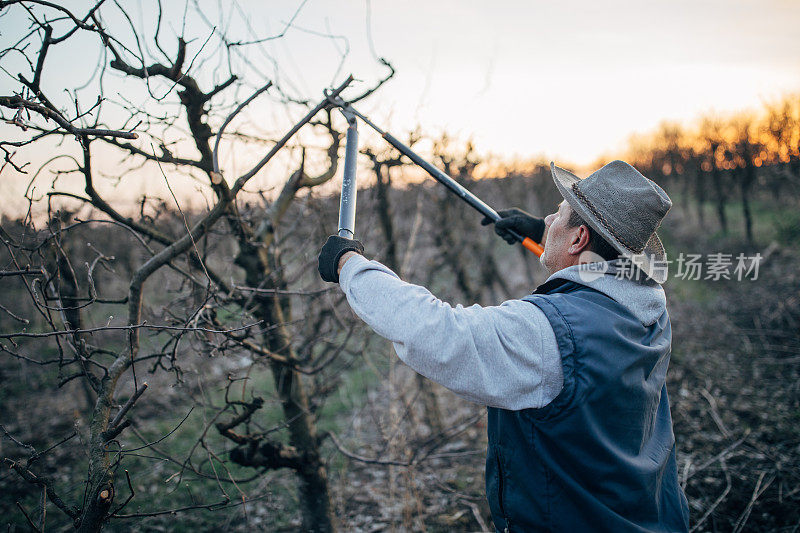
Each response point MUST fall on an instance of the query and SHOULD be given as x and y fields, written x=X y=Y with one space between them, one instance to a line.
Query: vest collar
x=551 y=285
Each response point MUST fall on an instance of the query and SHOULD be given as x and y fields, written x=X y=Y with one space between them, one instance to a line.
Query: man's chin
x=543 y=260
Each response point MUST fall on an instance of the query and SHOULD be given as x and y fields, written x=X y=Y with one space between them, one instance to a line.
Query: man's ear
x=580 y=241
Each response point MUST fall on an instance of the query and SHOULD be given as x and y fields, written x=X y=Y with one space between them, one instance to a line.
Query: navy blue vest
x=601 y=456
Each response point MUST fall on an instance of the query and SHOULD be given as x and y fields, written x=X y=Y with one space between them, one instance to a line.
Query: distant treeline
x=723 y=159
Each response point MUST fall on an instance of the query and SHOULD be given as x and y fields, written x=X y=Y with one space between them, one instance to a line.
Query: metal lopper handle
x=347 y=203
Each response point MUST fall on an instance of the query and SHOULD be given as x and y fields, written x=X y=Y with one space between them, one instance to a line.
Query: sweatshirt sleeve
x=502 y=356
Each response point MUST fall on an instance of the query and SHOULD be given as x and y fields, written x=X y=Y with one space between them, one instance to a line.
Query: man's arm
x=503 y=356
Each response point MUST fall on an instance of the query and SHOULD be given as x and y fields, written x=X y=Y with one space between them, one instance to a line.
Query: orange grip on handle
x=533 y=246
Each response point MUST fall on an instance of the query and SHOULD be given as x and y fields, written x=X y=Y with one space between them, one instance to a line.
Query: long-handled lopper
x=348 y=200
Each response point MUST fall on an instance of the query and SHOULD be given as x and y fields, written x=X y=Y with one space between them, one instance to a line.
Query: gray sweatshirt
x=502 y=356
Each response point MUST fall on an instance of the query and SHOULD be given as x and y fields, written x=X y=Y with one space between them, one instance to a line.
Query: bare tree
x=743 y=152
x=453 y=246
x=246 y=313
x=383 y=161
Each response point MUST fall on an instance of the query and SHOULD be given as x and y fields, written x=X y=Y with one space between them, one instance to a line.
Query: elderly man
x=580 y=431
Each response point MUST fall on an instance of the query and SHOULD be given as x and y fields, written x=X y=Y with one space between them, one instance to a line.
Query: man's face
x=559 y=238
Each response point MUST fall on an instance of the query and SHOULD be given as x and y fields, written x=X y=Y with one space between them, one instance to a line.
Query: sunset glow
x=569 y=81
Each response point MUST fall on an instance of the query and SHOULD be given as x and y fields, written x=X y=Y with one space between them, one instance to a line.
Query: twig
x=130 y=497
x=271 y=37
x=15 y=441
x=43 y=507
x=185 y=223
x=718 y=500
x=715 y=413
x=208 y=506
x=280 y=144
x=15 y=102
x=476 y=513
x=283 y=292
x=148 y=444
x=28 y=518
x=27 y=272
x=227 y=121
x=756 y=493
x=143 y=325
x=125 y=408
x=30 y=477
x=361 y=458
x=36 y=455
x=720 y=456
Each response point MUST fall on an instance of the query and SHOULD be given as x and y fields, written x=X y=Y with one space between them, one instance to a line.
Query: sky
x=568 y=81
x=574 y=79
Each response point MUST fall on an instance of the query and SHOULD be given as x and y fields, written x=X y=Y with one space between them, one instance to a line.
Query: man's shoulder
x=578 y=303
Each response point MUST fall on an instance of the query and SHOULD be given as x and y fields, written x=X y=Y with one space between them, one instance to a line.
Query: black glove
x=333 y=250
x=519 y=221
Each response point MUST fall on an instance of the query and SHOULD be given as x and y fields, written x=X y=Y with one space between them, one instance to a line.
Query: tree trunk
x=687 y=189
x=67 y=287
x=747 y=179
x=98 y=502
x=100 y=489
x=95 y=508
x=382 y=186
x=719 y=192
x=275 y=312
x=431 y=412
x=314 y=497
x=701 y=195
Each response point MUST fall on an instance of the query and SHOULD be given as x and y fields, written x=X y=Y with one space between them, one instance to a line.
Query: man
x=580 y=431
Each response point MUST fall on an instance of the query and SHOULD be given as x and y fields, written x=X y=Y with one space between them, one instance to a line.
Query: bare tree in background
x=743 y=153
x=782 y=144
x=246 y=314
x=383 y=161
x=453 y=244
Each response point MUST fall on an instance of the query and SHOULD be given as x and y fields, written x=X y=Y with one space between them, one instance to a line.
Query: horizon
x=476 y=72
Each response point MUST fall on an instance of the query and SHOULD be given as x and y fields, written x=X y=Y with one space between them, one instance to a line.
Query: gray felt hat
x=623 y=206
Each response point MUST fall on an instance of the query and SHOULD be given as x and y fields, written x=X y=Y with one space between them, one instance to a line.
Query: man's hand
x=333 y=250
x=519 y=221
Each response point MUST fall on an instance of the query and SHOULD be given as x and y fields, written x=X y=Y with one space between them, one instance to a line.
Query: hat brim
x=652 y=260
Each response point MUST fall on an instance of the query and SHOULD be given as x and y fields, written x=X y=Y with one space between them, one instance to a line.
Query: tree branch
x=30 y=477
x=280 y=144
x=16 y=102
x=221 y=87
x=268 y=454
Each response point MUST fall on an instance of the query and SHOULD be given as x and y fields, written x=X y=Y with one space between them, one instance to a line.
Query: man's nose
x=549 y=219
